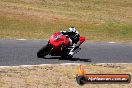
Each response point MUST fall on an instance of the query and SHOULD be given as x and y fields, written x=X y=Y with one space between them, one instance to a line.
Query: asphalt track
x=23 y=52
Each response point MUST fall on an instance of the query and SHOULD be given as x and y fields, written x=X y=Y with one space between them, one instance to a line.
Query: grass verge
x=38 y=19
x=58 y=76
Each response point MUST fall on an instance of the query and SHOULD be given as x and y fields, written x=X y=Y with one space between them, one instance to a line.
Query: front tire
x=44 y=51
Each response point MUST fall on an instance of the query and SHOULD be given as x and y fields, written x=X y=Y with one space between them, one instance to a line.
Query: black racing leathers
x=74 y=36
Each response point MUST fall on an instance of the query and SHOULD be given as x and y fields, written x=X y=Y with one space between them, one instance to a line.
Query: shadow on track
x=73 y=59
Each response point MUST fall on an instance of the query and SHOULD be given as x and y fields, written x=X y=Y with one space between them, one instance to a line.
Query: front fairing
x=58 y=39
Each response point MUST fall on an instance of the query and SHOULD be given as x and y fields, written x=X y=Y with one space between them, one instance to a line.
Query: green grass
x=98 y=20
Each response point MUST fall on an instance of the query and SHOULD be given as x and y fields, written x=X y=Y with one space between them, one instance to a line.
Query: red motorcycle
x=58 y=45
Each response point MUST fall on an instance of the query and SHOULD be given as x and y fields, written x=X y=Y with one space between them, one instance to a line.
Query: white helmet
x=72 y=29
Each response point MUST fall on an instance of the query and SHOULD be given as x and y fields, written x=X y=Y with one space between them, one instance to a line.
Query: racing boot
x=75 y=49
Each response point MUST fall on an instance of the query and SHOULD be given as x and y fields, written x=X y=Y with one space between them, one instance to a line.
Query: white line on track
x=111 y=42
x=41 y=65
x=22 y=39
x=63 y=64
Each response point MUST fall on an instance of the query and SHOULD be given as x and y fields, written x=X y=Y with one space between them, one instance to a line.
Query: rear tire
x=44 y=51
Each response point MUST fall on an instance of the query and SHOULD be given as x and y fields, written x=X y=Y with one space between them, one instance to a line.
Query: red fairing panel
x=58 y=39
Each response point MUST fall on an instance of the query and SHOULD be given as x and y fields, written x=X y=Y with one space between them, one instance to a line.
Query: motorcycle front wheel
x=44 y=51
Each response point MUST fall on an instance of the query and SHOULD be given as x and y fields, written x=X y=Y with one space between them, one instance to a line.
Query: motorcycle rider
x=73 y=37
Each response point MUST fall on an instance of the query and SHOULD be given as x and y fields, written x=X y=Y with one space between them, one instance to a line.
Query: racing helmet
x=72 y=29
